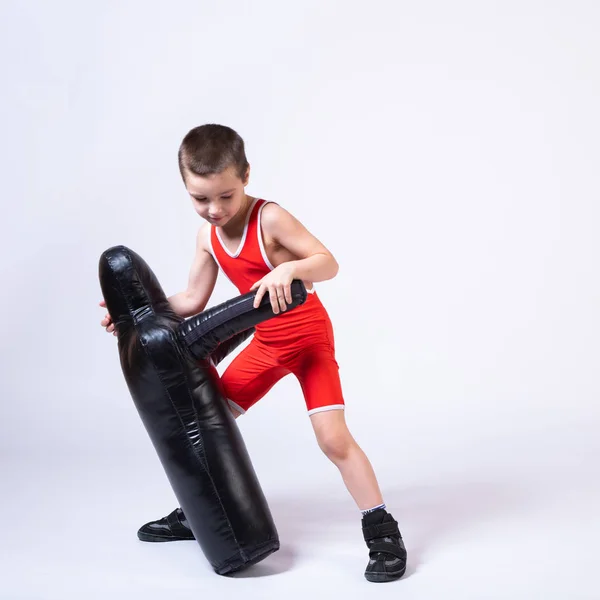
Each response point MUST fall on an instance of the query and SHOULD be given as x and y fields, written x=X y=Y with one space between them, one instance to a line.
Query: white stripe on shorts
x=324 y=408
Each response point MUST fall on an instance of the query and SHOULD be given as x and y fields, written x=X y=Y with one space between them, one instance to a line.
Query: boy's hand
x=107 y=322
x=278 y=283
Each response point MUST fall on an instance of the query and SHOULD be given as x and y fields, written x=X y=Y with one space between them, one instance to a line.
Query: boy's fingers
x=274 y=299
x=288 y=294
x=258 y=297
x=256 y=284
x=281 y=298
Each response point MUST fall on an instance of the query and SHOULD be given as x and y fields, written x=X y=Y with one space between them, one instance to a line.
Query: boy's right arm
x=201 y=280
x=201 y=283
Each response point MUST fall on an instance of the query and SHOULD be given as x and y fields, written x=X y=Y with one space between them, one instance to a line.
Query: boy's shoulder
x=279 y=225
x=274 y=215
x=202 y=237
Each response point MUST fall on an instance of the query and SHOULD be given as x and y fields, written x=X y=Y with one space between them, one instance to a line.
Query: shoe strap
x=174 y=523
x=371 y=532
x=387 y=548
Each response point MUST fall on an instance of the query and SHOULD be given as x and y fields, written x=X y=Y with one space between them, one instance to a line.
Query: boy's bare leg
x=387 y=554
x=339 y=446
x=234 y=412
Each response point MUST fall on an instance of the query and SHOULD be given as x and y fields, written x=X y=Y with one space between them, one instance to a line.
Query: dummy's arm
x=215 y=332
x=225 y=348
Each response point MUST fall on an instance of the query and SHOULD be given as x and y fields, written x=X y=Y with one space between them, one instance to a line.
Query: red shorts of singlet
x=305 y=349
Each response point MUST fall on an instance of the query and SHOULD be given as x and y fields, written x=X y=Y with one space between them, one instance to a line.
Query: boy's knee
x=335 y=445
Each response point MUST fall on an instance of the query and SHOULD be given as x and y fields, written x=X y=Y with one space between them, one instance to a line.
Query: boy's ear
x=247 y=176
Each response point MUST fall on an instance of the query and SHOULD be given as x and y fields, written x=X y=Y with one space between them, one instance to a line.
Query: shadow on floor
x=425 y=514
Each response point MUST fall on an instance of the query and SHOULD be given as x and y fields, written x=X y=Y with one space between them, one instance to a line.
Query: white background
x=446 y=153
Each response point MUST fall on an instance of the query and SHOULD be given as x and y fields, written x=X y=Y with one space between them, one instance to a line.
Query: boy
x=262 y=247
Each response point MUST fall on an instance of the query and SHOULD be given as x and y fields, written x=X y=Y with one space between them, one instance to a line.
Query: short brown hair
x=210 y=149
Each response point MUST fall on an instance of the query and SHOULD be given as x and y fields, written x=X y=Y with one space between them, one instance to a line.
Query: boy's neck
x=235 y=227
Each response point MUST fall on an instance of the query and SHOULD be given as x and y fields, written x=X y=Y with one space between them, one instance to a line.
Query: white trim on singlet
x=261 y=244
x=236 y=407
x=211 y=250
x=325 y=408
x=241 y=244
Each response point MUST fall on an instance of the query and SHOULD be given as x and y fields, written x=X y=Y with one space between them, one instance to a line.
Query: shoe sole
x=384 y=577
x=150 y=537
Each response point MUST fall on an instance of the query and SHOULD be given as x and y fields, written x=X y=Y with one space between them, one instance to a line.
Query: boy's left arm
x=315 y=262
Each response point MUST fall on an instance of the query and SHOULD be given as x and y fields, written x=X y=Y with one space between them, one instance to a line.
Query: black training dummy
x=168 y=365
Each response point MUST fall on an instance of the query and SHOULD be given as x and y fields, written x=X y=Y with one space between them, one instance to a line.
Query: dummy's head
x=215 y=171
x=129 y=286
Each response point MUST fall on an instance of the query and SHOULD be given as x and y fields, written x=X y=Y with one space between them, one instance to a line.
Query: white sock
x=369 y=510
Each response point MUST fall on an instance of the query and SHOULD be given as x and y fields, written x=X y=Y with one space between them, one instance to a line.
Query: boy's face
x=217 y=198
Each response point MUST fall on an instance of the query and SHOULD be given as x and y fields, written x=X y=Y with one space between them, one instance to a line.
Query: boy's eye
x=227 y=197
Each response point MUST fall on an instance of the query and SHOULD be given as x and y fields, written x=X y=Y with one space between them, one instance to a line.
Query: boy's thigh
x=251 y=374
x=318 y=373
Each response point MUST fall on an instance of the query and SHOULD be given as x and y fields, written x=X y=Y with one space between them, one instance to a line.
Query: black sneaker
x=171 y=528
x=387 y=554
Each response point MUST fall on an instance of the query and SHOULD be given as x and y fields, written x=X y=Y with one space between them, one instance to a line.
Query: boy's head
x=210 y=149
x=215 y=171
